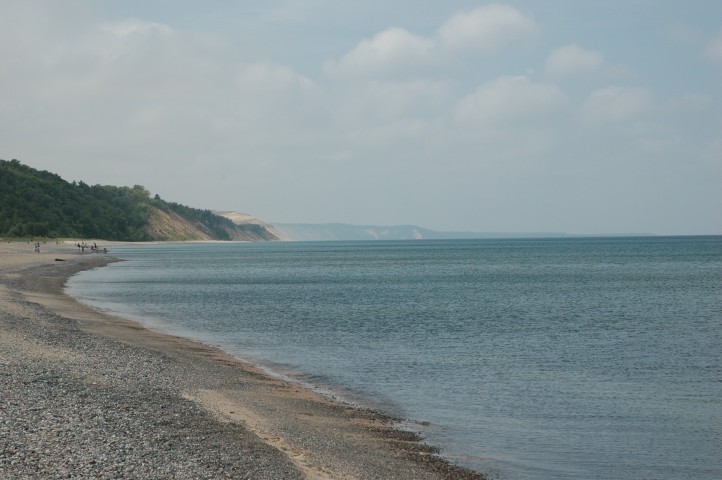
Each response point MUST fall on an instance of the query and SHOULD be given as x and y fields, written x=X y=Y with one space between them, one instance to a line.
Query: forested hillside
x=41 y=204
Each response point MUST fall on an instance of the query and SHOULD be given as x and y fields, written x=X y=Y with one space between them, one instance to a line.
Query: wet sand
x=85 y=394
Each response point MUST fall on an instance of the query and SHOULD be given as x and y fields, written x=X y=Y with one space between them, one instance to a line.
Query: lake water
x=529 y=359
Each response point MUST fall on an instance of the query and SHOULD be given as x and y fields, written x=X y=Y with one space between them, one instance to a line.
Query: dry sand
x=87 y=395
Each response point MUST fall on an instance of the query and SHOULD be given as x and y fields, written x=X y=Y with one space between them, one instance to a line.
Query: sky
x=595 y=116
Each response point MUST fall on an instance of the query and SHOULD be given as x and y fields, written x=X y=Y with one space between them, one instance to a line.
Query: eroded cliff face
x=250 y=223
x=170 y=226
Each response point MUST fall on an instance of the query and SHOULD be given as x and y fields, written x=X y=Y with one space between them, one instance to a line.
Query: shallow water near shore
x=543 y=359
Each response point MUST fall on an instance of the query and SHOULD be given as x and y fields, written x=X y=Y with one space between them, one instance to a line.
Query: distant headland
x=36 y=203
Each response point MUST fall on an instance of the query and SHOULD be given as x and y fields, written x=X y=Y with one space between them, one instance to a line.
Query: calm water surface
x=530 y=359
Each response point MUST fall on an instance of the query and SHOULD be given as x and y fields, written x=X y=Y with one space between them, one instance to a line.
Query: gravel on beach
x=77 y=405
x=89 y=396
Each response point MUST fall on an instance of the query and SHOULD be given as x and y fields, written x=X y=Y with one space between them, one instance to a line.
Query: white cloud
x=487 y=28
x=130 y=41
x=572 y=60
x=391 y=50
x=508 y=98
x=134 y=26
x=267 y=76
x=714 y=48
x=396 y=50
x=260 y=105
x=268 y=98
x=374 y=101
x=616 y=103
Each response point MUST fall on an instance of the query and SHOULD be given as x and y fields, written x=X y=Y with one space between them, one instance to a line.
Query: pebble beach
x=88 y=395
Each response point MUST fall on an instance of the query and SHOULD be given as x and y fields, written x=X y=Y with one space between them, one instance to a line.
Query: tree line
x=37 y=203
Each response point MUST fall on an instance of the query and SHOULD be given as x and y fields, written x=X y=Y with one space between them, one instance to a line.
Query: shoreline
x=217 y=416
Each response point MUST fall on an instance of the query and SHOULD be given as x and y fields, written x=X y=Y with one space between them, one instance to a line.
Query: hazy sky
x=576 y=116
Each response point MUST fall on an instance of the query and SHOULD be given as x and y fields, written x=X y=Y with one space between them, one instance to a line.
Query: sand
x=84 y=394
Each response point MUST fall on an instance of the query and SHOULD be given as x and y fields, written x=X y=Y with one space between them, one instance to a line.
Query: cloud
x=391 y=50
x=616 y=103
x=508 y=98
x=572 y=60
x=124 y=44
x=268 y=76
x=714 y=49
x=107 y=85
x=396 y=50
x=133 y=26
x=486 y=28
x=267 y=98
x=374 y=101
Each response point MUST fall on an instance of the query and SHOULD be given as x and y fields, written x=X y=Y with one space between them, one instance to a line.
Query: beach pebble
x=56 y=423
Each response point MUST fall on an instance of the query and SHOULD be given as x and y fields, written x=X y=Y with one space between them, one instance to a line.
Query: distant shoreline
x=345 y=231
